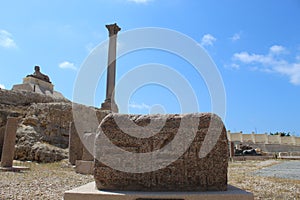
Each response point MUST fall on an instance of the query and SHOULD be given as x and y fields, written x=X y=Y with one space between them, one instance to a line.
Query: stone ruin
x=38 y=83
x=8 y=148
x=190 y=172
x=130 y=164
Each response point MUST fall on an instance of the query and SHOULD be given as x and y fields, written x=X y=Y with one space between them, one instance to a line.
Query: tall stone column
x=9 y=142
x=109 y=103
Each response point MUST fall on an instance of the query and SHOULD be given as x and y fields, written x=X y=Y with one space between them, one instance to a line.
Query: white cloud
x=2 y=86
x=6 y=40
x=67 y=65
x=236 y=37
x=208 y=40
x=140 y=1
x=277 y=49
x=245 y=57
x=272 y=63
x=293 y=72
x=139 y=106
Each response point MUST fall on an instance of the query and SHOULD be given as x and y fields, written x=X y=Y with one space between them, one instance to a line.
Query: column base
x=109 y=105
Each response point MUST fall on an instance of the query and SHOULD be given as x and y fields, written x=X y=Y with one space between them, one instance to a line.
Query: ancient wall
x=247 y=137
x=263 y=138
x=193 y=170
x=274 y=139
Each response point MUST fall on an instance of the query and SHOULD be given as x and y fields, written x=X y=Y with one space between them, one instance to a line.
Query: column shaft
x=109 y=103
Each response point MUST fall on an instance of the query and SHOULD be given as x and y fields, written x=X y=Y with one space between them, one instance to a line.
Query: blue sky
x=255 y=45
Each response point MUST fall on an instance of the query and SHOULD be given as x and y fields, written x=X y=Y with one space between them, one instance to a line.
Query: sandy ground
x=49 y=181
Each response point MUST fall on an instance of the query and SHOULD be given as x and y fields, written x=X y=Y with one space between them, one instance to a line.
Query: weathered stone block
x=161 y=153
x=75 y=145
x=9 y=142
x=84 y=167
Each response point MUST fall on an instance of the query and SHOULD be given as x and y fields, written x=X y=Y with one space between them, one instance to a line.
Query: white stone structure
x=263 y=138
x=38 y=83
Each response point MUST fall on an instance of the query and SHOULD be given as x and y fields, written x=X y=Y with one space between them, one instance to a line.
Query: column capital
x=113 y=29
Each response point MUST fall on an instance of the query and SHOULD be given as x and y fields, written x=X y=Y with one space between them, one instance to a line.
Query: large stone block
x=161 y=153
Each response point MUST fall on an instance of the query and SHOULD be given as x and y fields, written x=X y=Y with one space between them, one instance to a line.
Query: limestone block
x=35 y=81
x=152 y=143
x=84 y=167
x=89 y=140
x=75 y=145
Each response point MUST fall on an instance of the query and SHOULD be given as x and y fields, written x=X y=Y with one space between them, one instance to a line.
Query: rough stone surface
x=25 y=98
x=51 y=121
x=30 y=146
x=43 y=127
x=192 y=171
x=84 y=167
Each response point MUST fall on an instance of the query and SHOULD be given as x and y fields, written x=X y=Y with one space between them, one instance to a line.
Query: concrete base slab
x=89 y=192
x=14 y=168
x=84 y=167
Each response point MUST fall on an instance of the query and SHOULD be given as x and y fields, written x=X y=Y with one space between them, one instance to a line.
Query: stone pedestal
x=89 y=192
x=35 y=85
x=9 y=142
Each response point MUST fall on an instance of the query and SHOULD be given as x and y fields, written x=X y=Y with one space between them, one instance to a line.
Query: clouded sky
x=254 y=44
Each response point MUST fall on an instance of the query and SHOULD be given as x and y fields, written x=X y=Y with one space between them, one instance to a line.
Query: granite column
x=109 y=103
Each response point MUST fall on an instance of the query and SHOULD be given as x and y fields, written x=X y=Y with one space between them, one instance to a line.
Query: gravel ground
x=50 y=181
x=241 y=175
x=286 y=170
x=42 y=181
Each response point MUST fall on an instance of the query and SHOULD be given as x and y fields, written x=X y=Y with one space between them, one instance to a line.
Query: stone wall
x=42 y=131
x=24 y=98
x=263 y=138
x=202 y=167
